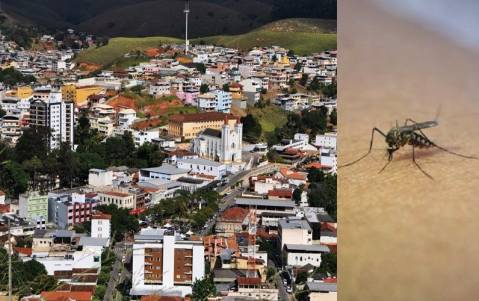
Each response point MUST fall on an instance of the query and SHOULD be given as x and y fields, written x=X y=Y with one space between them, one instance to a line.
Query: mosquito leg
x=446 y=150
x=375 y=129
x=409 y=120
x=382 y=169
x=417 y=164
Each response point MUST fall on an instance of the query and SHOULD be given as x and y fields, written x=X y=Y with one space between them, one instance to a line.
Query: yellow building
x=79 y=95
x=24 y=92
x=188 y=126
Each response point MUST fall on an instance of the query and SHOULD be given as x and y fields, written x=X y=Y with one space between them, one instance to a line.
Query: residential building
x=188 y=126
x=164 y=262
x=47 y=109
x=126 y=117
x=100 y=177
x=33 y=206
x=294 y=232
x=299 y=255
x=231 y=221
x=223 y=145
x=121 y=199
x=218 y=100
x=10 y=129
x=328 y=140
x=322 y=290
x=101 y=225
x=160 y=88
x=67 y=209
x=143 y=136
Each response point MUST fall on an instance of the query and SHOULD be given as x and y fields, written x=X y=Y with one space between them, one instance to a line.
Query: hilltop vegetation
x=302 y=35
x=161 y=17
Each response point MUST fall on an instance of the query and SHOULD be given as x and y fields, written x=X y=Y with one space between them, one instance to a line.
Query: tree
x=298 y=67
x=33 y=142
x=297 y=195
x=251 y=128
x=122 y=222
x=329 y=90
x=100 y=291
x=304 y=80
x=13 y=179
x=2 y=113
x=302 y=277
x=201 y=68
x=328 y=264
x=203 y=288
x=204 y=88
x=226 y=87
x=315 y=175
x=314 y=85
x=324 y=194
x=333 y=117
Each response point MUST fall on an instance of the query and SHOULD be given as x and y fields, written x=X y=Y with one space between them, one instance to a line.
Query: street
x=119 y=251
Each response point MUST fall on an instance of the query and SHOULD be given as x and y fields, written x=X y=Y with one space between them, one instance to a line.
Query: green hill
x=301 y=35
x=304 y=36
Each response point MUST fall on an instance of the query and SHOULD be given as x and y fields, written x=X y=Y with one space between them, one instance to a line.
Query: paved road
x=282 y=293
x=119 y=251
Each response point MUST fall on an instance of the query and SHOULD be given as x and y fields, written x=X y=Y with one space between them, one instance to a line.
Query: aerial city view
x=190 y=156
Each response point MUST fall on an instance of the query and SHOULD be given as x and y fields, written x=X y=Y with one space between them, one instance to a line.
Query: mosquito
x=408 y=134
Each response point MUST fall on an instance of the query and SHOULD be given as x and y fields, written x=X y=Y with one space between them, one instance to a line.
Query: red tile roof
x=60 y=296
x=281 y=193
x=4 y=208
x=101 y=215
x=234 y=214
x=287 y=173
x=24 y=251
x=249 y=281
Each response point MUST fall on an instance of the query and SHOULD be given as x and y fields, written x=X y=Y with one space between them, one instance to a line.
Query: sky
x=457 y=20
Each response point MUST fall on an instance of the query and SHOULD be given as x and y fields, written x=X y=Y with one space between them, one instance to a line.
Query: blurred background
x=403 y=235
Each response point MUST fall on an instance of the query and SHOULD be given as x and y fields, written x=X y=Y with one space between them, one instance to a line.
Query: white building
x=328 y=140
x=294 y=232
x=223 y=146
x=121 y=199
x=100 y=177
x=159 y=89
x=218 y=100
x=100 y=225
x=165 y=172
x=165 y=263
x=299 y=255
x=144 y=136
x=126 y=117
x=203 y=167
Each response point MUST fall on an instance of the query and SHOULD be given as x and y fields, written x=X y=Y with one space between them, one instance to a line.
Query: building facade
x=163 y=262
x=48 y=109
x=188 y=126
x=223 y=145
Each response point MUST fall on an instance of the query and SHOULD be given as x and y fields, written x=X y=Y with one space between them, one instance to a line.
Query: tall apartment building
x=164 y=263
x=48 y=109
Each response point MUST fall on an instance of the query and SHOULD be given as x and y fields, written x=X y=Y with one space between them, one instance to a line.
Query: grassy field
x=118 y=47
x=270 y=118
x=304 y=36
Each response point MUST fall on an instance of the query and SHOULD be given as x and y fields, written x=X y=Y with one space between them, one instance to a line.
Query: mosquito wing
x=419 y=126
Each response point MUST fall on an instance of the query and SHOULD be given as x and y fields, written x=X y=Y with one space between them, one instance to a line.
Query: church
x=223 y=145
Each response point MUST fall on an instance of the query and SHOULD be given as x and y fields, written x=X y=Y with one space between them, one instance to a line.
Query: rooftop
x=200 y=162
x=262 y=202
x=322 y=286
x=202 y=117
x=290 y=223
x=167 y=169
x=307 y=248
